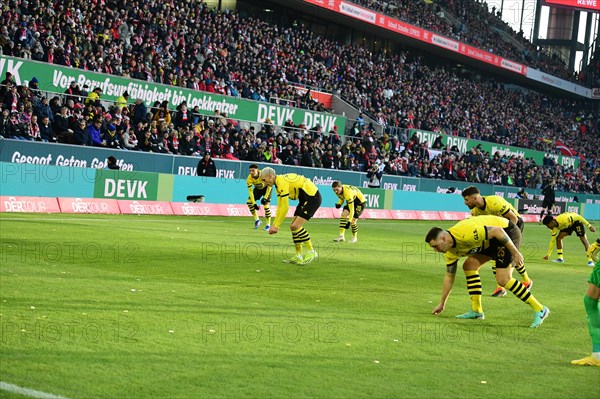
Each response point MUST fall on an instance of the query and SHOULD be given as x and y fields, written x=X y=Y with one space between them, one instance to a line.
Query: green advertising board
x=56 y=78
x=133 y=185
x=377 y=198
x=464 y=145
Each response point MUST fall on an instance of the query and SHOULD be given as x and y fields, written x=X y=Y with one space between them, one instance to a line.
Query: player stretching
x=497 y=206
x=257 y=189
x=295 y=187
x=481 y=239
x=564 y=225
x=355 y=205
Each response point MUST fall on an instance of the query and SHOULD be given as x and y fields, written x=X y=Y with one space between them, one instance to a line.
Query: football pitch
x=196 y=307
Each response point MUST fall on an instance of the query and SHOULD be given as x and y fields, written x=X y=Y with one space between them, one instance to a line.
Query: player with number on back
x=481 y=239
x=497 y=206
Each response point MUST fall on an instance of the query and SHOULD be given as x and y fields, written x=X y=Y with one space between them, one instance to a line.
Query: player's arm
x=250 y=190
x=551 y=245
x=268 y=192
x=510 y=215
x=446 y=287
x=283 y=204
x=581 y=219
x=499 y=234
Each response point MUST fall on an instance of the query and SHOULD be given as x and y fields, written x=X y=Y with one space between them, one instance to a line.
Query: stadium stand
x=192 y=46
x=474 y=23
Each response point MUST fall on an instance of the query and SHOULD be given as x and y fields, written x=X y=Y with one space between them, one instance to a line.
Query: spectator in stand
x=46 y=130
x=206 y=166
x=93 y=130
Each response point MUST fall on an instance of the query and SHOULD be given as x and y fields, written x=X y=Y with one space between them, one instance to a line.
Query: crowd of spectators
x=189 y=45
x=478 y=25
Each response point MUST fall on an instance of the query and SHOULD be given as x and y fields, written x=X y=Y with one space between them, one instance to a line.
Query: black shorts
x=307 y=204
x=359 y=208
x=577 y=227
x=498 y=252
x=259 y=193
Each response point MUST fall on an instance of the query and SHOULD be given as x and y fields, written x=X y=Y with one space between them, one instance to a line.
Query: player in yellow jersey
x=594 y=250
x=481 y=239
x=497 y=206
x=291 y=186
x=564 y=225
x=257 y=189
x=355 y=205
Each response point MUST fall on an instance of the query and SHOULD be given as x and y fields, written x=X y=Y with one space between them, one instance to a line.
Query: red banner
x=320 y=96
x=590 y=5
x=29 y=204
x=405 y=29
x=88 y=205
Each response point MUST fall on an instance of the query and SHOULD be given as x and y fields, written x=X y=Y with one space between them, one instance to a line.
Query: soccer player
x=355 y=205
x=481 y=239
x=497 y=206
x=564 y=225
x=291 y=186
x=257 y=189
x=593 y=250
x=592 y=311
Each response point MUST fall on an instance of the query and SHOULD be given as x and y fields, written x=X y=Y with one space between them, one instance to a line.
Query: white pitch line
x=4 y=386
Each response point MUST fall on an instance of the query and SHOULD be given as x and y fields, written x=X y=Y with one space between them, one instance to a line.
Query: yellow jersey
x=494 y=205
x=251 y=182
x=564 y=220
x=470 y=236
x=288 y=187
x=350 y=194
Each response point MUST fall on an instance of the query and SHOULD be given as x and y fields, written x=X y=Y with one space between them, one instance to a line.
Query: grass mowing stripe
x=4 y=386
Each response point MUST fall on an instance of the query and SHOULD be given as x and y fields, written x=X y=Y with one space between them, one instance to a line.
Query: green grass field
x=184 y=307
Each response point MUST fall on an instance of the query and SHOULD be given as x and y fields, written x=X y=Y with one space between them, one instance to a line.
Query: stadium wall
x=15 y=151
x=62 y=182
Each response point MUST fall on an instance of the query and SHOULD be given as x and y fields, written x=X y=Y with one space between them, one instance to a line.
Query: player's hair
x=336 y=183
x=253 y=166
x=266 y=172
x=470 y=191
x=547 y=220
x=433 y=234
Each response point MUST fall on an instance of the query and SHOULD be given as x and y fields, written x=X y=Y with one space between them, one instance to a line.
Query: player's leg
x=516 y=235
x=559 y=246
x=504 y=278
x=354 y=228
x=358 y=210
x=580 y=232
x=267 y=205
x=299 y=237
x=304 y=212
x=471 y=269
x=343 y=224
x=592 y=311
x=499 y=291
x=252 y=208
x=545 y=208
